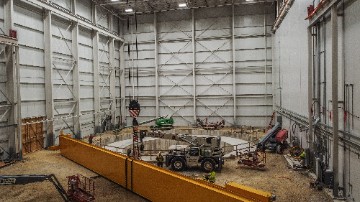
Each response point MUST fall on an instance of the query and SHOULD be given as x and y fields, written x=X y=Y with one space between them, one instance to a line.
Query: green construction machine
x=163 y=123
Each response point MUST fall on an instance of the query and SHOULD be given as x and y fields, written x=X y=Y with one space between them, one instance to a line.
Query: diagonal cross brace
x=213 y=83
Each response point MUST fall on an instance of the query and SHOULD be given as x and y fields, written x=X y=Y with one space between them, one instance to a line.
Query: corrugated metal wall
x=290 y=84
x=189 y=78
x=29 y=22
x=209 y=65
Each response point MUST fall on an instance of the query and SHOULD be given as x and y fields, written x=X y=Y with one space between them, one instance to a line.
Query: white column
x=157 y=110
x=8 y=16
x=76 y=83
x=112 y=80
x=334 y=64
x=49 y=104
x=95 y=39
x=194 y=61
x=122 y=85
x=234 y=60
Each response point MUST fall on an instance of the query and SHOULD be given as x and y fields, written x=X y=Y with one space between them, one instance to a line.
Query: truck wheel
x=177 y=164
x=208 y=165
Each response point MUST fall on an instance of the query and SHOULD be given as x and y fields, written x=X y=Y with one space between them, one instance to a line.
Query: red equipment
x=80 y=188
x=310 y=9
x=13 y=33
x=255 y=159
x=211 y=125
x=281 y=136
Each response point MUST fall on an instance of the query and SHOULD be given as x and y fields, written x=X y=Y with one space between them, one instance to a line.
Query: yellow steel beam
x=249 y=193
x=147 y=180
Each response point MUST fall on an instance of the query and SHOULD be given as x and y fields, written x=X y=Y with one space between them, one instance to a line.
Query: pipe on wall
x=310 y=84
x=334 y=44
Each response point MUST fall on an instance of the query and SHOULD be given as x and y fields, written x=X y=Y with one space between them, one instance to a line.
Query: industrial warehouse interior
x=179 y=100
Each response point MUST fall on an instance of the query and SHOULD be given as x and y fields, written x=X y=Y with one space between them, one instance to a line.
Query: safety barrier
x=144 y=179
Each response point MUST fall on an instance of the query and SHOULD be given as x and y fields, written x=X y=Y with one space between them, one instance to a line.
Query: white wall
x=29 y=24
x=213 y=65
x=290 y=84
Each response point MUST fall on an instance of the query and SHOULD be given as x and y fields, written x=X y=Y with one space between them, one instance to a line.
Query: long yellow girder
x=147 y=180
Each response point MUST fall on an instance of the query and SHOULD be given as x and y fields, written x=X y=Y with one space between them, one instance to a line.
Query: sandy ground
x=51 y=162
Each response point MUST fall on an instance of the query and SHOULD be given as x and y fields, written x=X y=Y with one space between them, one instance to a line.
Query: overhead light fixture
x=182 y=5
x=249 y=0
x=129 y=10
x=114 y=0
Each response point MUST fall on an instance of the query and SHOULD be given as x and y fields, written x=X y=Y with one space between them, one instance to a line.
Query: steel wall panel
x=2 y=12
x=87 y=105
x=28 y=18
x=252 y=10
x=175 y=56
x=63 y=3
x=141 y=37
x=84 y=8
x=250 y=21
x=29 y=37
x=85 y=52
x=177 y=15
x=61 y=47
x=352 y=60
x=293 y=63
x=85 y=37
x=86 y=92
x=31 y=74
x=31 y=57
x=86 y=79
x=251 y=43
x=102 y=17
x=250 y=31
x=86 y=66
x=61 y=92
x=163 y=81
x=253 y=78
x=32 y=92
x=205 y=79
x=33 y=108
x=252 y=101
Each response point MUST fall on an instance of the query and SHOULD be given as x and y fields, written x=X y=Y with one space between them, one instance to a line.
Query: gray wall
x=213 y=65
x=290 y=74
x=29 y=22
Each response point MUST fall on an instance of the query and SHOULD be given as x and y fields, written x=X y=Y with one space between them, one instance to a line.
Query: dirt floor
x=288 y=185
x=51 y=162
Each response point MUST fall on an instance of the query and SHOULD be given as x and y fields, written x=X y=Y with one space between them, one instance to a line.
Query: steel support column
x=194 y=61
x=265 y=65
x=233 y=60
x=122 y=86
x=49 y=105
x=334 y=64
x=76 y=83
x=95 y=40
x=112 y=80
x=157 y=110
x=8 y=15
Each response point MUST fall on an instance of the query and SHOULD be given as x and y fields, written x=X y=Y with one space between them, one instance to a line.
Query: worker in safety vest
x=302 y=158
x=210 y=177
x=160 y=160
